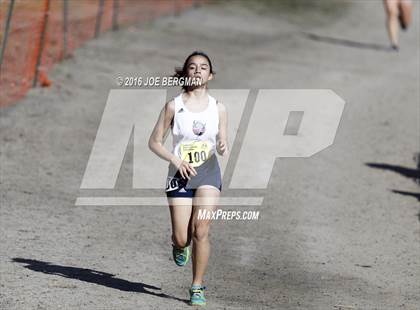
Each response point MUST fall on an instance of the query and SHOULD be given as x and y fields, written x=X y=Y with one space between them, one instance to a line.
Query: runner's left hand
x=222 y=148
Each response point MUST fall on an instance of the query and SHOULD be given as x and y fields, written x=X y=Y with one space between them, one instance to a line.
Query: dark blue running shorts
x=207 y=174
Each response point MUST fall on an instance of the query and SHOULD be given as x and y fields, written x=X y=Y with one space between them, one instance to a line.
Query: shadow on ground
x=406 y=172
x=92 y=276
x=410 y=173
x=346 y=42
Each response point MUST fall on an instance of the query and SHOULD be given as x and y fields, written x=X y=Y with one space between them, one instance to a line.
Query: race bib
x=172 y=184
x=195 y=152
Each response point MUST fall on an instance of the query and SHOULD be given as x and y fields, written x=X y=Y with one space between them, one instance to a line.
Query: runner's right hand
x=184 y=168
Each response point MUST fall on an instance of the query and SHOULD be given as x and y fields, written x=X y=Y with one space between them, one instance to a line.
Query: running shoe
x=181 y=256
x=197 y=295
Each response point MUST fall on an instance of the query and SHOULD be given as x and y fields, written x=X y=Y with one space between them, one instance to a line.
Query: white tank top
x=194 y=133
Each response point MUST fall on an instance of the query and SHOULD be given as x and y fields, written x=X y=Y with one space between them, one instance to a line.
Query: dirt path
x=332 y=232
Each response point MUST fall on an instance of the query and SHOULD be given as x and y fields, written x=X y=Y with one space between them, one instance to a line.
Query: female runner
x=199 y=127
x=397 y=11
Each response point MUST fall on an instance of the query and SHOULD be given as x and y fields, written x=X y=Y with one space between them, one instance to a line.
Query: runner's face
x=199 y=67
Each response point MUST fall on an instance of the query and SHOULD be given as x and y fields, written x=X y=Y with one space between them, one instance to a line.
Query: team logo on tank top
x=198 y=128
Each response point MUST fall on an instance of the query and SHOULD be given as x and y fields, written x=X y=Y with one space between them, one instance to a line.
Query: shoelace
x=180 y=253
x=198 y=290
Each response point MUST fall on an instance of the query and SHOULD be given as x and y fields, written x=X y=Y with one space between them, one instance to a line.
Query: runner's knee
x=201 y=232
x=393 y=12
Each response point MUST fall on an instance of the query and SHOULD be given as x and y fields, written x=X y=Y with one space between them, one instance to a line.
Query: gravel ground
x=332 y=233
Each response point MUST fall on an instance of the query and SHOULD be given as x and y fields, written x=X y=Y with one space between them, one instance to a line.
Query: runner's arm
x=158 y=137
x=222 y=143
x=160 y=132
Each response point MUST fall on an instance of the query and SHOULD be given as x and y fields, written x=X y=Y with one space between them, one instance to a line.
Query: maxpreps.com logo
x=262 y=126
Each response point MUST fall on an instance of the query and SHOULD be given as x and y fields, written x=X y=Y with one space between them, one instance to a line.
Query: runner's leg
x=406 y=7
x=206 y=198
x=391 y=9
x=180 y=209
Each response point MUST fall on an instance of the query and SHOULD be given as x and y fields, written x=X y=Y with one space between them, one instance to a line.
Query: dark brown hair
x=182 y=72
